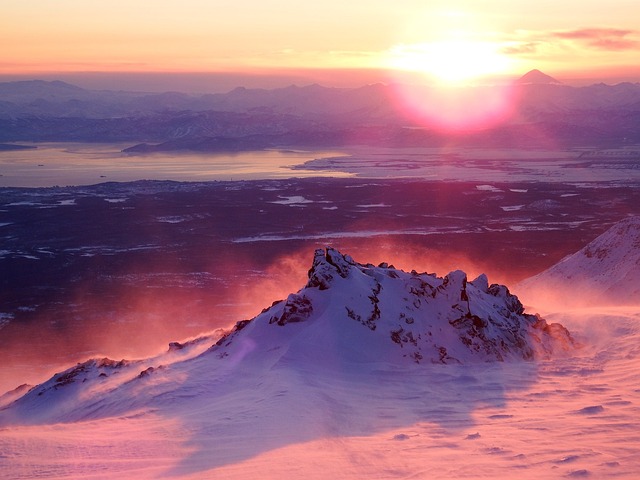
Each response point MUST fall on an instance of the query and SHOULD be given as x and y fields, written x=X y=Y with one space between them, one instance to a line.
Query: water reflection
x=66 y=164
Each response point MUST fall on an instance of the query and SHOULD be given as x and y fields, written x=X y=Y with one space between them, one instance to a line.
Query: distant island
x=6 y=147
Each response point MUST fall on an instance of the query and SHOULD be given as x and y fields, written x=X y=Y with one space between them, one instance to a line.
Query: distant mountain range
x=542 y=110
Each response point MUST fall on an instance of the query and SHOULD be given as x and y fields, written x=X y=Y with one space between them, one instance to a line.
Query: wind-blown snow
x=605 y=272
x=324 y=385
x=348 y=315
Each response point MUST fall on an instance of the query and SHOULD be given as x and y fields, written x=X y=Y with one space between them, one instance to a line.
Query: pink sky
x=446 y=41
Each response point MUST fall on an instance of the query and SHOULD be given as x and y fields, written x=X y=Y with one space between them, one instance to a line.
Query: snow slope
x=327 y=385
x=348 y=316
x=605 y=272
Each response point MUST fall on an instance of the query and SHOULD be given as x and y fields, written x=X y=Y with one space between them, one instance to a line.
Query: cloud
x=612 y=39
x=524 y=48
x=565 y=46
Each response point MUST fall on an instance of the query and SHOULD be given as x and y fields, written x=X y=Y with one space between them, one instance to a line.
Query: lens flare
x=456 y=108
x=453 y=83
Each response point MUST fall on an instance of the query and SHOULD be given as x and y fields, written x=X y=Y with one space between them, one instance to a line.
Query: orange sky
x=449 y=41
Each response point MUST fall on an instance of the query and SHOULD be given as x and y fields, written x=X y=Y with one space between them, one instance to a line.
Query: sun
x=450 y=61
x=451 y=83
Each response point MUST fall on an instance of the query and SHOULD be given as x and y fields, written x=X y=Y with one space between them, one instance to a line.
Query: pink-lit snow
x=318 y=393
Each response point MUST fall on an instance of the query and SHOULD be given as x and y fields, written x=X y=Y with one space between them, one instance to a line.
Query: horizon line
x=225 y=80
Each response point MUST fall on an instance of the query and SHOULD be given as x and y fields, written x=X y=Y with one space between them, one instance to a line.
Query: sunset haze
x=459 y=41
x=320 y=240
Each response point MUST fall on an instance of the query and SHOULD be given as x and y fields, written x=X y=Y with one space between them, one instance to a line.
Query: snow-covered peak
x=379 y=313
x=349 y=317
x=606 y=271
x=536 y=77
x=326 y=264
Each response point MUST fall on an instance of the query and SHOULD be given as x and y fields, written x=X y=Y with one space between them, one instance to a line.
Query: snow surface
x=308 y=390
x=292 y=201
x=605 y=272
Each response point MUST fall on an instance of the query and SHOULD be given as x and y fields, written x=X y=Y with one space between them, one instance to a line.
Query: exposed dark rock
x=175 y=346
x=297 y=308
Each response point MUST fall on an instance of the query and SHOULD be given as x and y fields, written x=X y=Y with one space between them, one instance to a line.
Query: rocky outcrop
x=349 y=317
x=424 y=318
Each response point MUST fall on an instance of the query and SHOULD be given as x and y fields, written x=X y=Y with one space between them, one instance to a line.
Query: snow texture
x=605 y=272
x=348 y=313
x=366 y=372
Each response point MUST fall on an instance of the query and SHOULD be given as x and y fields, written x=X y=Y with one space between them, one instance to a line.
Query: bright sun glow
x=435 y=92
x=456 y=61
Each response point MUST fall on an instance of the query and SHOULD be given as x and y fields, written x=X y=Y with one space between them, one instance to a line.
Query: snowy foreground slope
x=366 y=372
x=347 y=316
x=605 y=272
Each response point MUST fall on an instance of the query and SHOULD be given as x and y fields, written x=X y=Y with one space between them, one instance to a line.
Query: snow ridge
x=349 y=317
x=385 y=313
x=604 y=272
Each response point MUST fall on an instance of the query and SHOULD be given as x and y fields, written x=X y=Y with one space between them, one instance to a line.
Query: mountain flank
x=604 y=272
x=349 y=317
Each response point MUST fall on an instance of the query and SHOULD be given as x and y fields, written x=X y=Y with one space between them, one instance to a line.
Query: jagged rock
x=481 y=282
x=297 y=308
x=81 y=372
x=325 y=265
x=348 y=317
x=175 y=346
x=431 y=319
